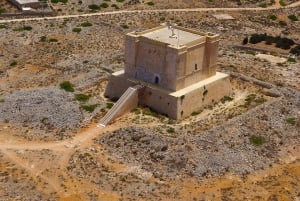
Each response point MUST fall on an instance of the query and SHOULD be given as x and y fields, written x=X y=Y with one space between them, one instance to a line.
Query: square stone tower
x=176 y=66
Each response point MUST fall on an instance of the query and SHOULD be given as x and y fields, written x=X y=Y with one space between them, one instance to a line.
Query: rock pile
x=51 y=106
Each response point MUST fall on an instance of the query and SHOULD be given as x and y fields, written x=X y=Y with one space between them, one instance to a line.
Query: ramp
x=127 y=102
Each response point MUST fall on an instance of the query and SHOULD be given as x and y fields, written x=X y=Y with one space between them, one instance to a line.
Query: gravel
x=224 y=148
x=50 y=106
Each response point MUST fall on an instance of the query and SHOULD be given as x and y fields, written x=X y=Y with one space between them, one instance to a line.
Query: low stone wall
x=176 y=105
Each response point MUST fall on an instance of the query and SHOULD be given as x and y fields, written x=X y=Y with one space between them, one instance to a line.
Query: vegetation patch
x=295 y=50
x=61 y=1
x=24 y=28
x=67 y=86
x=257 y=140
x=109 y=105
x=90 y=108
x=291 y=121
x=150 y=3
x=170 y=130
x=293 y=18
x=272 y=17
x=82 y=97
x=3 y=26
x=226 y=99
x=76 y=29
x=86 y=24
x=283 y=43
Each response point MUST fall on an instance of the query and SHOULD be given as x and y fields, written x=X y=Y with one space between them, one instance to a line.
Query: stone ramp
x=127 y=102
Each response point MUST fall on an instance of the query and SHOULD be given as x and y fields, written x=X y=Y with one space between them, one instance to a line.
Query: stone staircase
x=127 y=102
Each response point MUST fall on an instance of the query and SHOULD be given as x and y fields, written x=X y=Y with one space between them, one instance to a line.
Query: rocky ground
x=50 y=148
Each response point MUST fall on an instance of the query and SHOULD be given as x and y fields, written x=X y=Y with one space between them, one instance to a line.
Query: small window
x=156 y=80
x=196 y=67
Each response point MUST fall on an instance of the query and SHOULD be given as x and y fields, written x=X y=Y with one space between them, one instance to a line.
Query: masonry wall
x=203 y=96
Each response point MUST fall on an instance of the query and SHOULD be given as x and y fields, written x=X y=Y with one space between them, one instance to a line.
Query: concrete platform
x=178 y=104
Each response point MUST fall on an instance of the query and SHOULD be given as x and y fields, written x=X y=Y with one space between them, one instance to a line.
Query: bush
x=170 y=130
x=150 y=3
x=291 y=121
x=295 y=50
x=94 y=7
x=293 y=18
x=120 y=1
x=13 y=63
x=104 y=5
x=66 y=85
x=115 y=6
x=292 y=60
x=125 y=26
x=76 y=29
x=3 y=26
x=257 y=140
x=86 y=24
x=245 y=41
x=24 y=28
x=62 y=1
x=226 y=98
x=282 y=3
x=89 y=108
x=52 y=40
x=2 y=100
x=82 y=97
x=109 y=105
x=43 y=39
x=272 y=17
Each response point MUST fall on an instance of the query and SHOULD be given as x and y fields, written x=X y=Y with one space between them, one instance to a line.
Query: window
x=156 y=80
x=196 y=67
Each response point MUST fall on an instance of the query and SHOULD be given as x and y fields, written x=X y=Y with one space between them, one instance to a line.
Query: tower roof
x=174 y=36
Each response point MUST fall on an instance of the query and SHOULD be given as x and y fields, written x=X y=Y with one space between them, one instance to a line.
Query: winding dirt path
x=274 y=7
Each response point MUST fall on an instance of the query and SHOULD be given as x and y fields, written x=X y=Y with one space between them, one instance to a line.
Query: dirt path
x=276 y=6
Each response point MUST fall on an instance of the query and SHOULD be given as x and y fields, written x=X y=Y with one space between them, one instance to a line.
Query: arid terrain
x=53 y=74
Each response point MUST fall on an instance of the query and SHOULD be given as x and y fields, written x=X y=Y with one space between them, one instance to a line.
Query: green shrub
x=52 y=40
x=13 y=63
x=162 y=18
x=257 y=140
x=109 y=105
x=150 y=3
x=94 y=7
x=170 y=130
x=293 y=17
x=62 y=1
x=43 y=39
x=282 y=3
x=86 y=24
x=104 y=5
x=245 y=41
x=89 y=108
x=3 y=26
x=125 y=26
x=295 y=50
x=2 y=100
x=66 y=85
x=272 y=17
x=82 y=97
x=291 y=121
x=120 y=1
x=115 y=6
x=226 y=98
x=2 y=10
x=292 y=60
x=24 y=28
x=76 y=29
